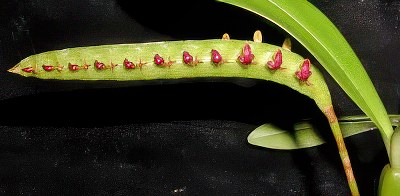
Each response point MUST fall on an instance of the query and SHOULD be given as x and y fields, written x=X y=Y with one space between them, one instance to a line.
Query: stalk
x=344 y=156
x=389 y=182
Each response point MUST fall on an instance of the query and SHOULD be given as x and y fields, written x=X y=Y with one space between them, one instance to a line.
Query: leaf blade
x=305 y=135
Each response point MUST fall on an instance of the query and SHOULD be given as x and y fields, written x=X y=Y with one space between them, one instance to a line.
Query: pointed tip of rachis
x=14 y=69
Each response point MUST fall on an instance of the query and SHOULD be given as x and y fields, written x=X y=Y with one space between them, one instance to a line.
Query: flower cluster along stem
x=192 y=59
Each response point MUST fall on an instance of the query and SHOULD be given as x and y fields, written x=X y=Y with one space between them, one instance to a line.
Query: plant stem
x=395 y=149
x=389 y=182
x=334 y=124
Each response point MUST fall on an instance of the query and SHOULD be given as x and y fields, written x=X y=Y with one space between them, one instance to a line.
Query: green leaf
x=305 y=135
x=271 y=136
x=319 y=35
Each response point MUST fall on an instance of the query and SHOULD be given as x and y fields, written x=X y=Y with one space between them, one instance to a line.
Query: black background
x=177 y=137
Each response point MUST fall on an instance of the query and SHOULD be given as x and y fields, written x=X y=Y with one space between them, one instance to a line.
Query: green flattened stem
x=389 y=183
x=314 y=87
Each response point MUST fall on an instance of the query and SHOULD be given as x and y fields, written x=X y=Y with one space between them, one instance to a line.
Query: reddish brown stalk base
x=344 y=156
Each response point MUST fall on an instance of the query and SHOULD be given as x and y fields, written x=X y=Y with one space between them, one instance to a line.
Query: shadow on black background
x=200 y=20
x=108 y=104
x=182 y=135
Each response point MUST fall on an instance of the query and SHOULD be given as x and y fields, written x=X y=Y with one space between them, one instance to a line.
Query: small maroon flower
x=51 y=67
x=246 y=57
x=158 y=60
x=304 y=73
x=277 y=61
x=216 y=58
x=99 y=65
x=128 y=64
x=48 y=67
x=187 y=58
x=28 y=70
x=73 y=67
